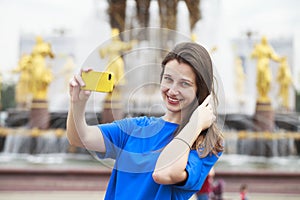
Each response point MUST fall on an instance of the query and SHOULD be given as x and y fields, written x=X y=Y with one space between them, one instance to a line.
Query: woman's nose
x=173 y=89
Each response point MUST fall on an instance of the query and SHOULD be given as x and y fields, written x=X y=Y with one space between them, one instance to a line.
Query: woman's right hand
x=75 y=91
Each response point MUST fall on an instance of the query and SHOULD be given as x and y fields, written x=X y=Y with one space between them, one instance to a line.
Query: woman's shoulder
x=141 y=120
x=146 y=120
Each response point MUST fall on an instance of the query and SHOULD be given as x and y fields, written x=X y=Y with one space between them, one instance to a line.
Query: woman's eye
x=185 y=84
x=167 y=78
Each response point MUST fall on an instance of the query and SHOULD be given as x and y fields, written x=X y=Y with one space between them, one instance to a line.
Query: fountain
x=244 y=138
x=256 y=148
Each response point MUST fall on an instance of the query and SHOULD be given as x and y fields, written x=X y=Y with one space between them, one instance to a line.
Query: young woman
x=164 y=157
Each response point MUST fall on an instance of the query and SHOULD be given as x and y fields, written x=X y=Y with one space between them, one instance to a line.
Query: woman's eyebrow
x=187 y=80
x=166 y=74
x=182 y=79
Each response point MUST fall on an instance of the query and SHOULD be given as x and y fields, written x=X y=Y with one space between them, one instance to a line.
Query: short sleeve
x=115 y=136
x=197 y=169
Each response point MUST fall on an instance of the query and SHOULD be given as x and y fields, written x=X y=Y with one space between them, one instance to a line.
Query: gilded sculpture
x=41 y=76
x=113 y=52
x=263 y=52
x=35 y=75
x=240 y=77
x=284 y=79
x=23 y=91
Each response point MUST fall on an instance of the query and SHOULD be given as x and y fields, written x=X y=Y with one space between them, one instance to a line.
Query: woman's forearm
x=73 y=128
x=81 y=134
x=171 y=164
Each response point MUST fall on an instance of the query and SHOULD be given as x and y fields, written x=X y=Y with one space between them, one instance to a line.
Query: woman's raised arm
x=79 y=133
x=171 y=164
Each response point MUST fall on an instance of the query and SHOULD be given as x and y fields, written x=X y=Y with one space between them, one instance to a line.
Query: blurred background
x=254 y=47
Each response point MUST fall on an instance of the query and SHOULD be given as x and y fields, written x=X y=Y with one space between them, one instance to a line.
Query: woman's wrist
x=189 y=133
x=78 y=110
x=182 y=140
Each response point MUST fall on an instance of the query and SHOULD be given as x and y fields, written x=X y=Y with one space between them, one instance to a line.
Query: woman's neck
x=173 y=117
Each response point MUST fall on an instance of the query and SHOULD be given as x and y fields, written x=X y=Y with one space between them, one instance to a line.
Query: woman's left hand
x=204 y=115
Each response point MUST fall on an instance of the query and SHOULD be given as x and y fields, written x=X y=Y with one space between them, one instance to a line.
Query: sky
x=276 y=18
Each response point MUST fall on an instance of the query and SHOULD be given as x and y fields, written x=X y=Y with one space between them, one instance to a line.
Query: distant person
x=165 y=157
x=218 y=189
x=243 y=192
x=206 y=189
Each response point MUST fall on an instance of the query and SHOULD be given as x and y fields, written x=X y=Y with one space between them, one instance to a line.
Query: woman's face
x=178 y=86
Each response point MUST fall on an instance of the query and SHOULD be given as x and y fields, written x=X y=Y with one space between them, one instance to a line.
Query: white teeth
x=173 y=100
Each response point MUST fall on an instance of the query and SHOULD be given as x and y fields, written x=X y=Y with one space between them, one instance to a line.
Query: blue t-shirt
x=135 y=144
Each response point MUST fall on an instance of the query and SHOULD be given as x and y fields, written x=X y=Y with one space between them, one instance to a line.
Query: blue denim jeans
x=204 y=196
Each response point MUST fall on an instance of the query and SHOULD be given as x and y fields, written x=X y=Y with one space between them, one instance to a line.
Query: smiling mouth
x=173 y=100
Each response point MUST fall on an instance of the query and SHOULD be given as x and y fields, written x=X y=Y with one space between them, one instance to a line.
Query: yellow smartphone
x=98 y=81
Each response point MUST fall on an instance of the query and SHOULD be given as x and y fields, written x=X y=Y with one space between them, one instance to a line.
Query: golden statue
x=284 y=79
x=1 y=81
x=194 y=37
x=23 y=91
x=240 y=77
x=41 y=76
x=32 y=87
x=263 y=52
x=68 y=70
x=113 y=52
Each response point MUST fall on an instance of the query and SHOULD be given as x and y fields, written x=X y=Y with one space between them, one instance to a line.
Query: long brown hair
x=196 y=56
